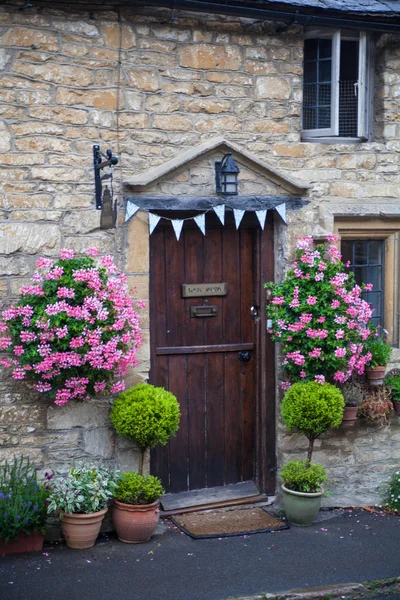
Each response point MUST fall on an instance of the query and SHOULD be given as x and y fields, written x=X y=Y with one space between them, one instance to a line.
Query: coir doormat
x=227 y=523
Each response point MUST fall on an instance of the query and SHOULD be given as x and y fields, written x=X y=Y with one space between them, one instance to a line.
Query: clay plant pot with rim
x=397 y=408
x=135 y=523
x=25 y=542
x=375 y=375
x=81 y=530
x=301 y=508
x=349 y=416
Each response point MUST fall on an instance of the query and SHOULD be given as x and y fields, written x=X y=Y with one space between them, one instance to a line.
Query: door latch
x=254 y=311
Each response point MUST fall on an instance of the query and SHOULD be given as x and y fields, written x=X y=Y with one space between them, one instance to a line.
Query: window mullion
x=335 y=83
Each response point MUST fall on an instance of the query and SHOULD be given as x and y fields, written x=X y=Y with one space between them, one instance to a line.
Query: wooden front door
x=207 y=350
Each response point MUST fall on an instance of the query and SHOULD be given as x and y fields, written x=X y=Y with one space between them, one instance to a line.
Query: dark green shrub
x=312 y=408
x=138 y=489
x=393 y=382
x=146 y=415
x=391 y=498
x=301 y=476
x=23 y=499
x=381 y=352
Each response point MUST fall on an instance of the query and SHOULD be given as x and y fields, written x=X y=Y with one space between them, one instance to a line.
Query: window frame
x=365 y=86
x=373 y=229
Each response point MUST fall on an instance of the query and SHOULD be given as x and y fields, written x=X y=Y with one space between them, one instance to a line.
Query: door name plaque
x=199 y=290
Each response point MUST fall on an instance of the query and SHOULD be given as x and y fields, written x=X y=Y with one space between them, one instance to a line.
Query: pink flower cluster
x=319 y=316
x=70 y=348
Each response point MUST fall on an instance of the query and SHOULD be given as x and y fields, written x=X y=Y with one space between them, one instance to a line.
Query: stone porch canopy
x=143 y=189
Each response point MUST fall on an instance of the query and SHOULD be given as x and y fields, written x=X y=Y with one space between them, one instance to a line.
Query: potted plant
x=319 y=317
x=392 y=380
x=136 y=496
x=147 y=416
x=312 y=409
x=74 y=332
x=380 y=357
x=376 y=405
x=353 y=394
x=81 y=499
x=23 y=507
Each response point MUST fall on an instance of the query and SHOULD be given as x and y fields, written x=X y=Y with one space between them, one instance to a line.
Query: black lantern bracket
x=226 y=176
x=100 y=161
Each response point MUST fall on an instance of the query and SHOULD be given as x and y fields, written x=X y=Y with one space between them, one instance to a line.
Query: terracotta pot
x=301 y=508
x=135 y=523
x=375 y=375
x=81 y=531
x=25 y=542
x=349 y=416
x=396 y=408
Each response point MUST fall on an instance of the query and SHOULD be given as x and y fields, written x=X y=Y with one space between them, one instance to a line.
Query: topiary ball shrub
x=312 y=408
x=138 y=489
x=300 y=476
x=146 y=415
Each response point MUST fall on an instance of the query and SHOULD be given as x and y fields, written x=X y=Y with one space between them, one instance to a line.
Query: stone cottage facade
x=154 y=84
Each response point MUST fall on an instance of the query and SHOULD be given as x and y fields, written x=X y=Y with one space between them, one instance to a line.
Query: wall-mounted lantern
x=104 y=202
x=226 y=176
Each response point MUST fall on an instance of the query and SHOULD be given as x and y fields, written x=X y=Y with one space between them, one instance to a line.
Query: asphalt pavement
x=345 y=546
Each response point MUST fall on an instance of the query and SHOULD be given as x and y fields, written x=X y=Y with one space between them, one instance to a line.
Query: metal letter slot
x=208 y=310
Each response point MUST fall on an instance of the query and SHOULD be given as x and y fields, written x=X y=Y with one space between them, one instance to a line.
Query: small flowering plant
x=391 y=500
x=319 y=317
x=85 y=489
x=74 y=330
x=23 y=499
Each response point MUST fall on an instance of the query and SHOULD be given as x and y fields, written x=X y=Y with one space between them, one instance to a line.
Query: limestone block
x=133 y=100
x=99 y=442
x=74 y=50
x=219 y=124
x=15 y=265
x=249 y=109
x=139 y=286
x=82 y=221
x=89 y=414
x=34 y=97
x=172 y=123
x=133 y=121
x=5 y=138
x=105 y=99
x=25 y=37
x=181 y=75
x=28 y=128
x=267 y=126
x=206 y=56
x=72 y=116
x=138 y=246
x=171 y=33
x=145 y=80
x=157 y=45
x=61 y=74
x=207 y=106
x=26 y=201
x=162 y=104
x=58 y=174
x=76 y=27
x=145 y=150
x=21 y=414
x=260 y=68
x=42 y=143
x=4 y=58
x=16 y=82
x=273 y=88
x=36 y=455
x=30 y=238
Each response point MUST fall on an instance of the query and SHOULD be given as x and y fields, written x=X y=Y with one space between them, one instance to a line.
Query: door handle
x=254 y=311
x=244 y=356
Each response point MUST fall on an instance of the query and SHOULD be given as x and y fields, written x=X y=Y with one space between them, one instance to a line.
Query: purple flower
x=36 y=507
x=18 y=517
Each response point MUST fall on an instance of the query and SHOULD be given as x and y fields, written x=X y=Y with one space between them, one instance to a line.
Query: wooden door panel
x=198 y=358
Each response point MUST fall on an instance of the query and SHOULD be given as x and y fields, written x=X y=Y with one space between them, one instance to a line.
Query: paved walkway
x=348 y=546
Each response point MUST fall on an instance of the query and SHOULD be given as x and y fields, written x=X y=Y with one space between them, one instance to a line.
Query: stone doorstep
x=339 y=591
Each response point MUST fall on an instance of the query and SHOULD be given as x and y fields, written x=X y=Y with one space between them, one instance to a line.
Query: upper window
x=337 y=85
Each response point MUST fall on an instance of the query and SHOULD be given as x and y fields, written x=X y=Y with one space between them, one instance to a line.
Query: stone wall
x=149 y=87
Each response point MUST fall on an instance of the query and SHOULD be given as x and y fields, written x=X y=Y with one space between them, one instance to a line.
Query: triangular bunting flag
x=220 y=212
x=238 y=214
x=131 y=209
x=261 y=216
x=177 y=224
x=281 y=210
x=153 y=220
x=201 y=222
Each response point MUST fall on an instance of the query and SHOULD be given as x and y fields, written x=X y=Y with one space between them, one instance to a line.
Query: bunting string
x=200 y=219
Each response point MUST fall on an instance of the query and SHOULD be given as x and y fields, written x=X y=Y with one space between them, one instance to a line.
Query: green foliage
x=312 y=408
x=85 y=489
x=147 y=415
x=353 y=393
x=393 y=382
x=381 y=352
x=23 y=499
x=138 y=489
x=300 y=476
x=391 y=498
